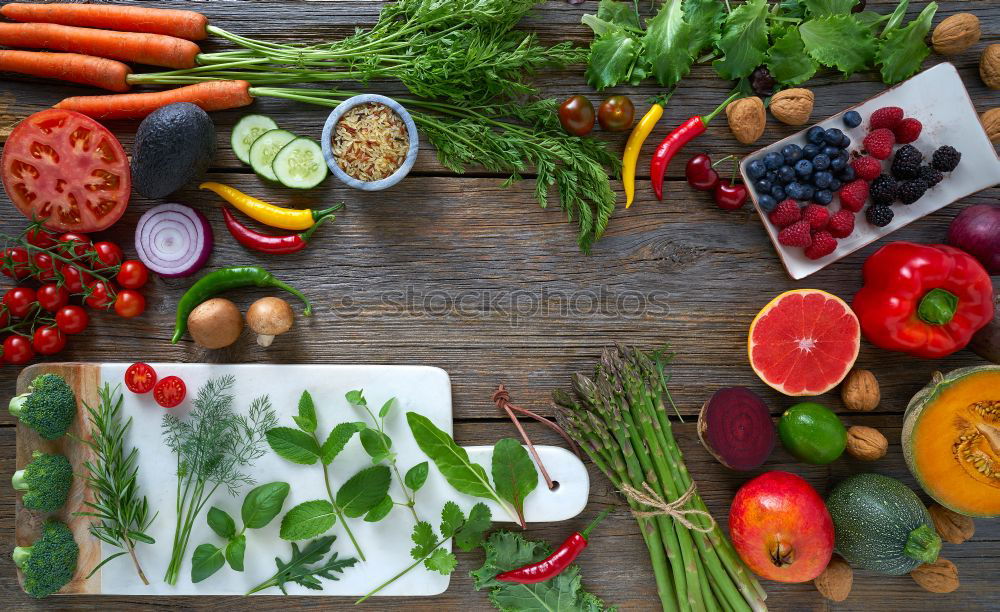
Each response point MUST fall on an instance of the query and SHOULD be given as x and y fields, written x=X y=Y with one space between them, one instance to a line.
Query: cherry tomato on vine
x=48 y=340
x=19 y=301
x=79 y=248
x=40 y=238
x=169 y=392
x=46 y=267
x=100 y=296
x=140 y=378
x=15 y=263
x=616 y=114
x=52 y=297
x=129 y=303
x=576 y=114
x=72 y=319
x=133 y=274
x=4 y=316
x=17 y=350
x=72 y=278
x=108 y=253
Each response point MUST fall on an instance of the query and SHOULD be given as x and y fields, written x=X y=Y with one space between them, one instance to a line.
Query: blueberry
x=773 y=160
x=822 y=179
x=756 y=169
x=762 y=185
x=847 y=174
x=767 y=202
x=804 y=167
x=838 y=162
x=845 y=141
x=821 y=162
x=823 y=196
x=835 y=184
x=815 y=134
x=792 y=153
x=795 y=190
x=833 y=136
x=830 y=151
x=786 y=174
x=852 y=119
x=807 y=192
x=772 y=175
x=810 y=151
x=778 y=192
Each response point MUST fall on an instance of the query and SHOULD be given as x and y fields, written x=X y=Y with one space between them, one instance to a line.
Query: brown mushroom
x=269 y=317
x=215 y=323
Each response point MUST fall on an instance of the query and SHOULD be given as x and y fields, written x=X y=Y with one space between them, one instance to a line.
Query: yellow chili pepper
x=269 y=214
x=634 y=146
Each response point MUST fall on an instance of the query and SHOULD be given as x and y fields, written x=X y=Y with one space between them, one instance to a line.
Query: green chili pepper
x=223 y=280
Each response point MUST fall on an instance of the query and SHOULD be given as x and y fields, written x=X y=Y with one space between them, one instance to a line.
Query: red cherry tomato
x=4 y=316
x=72 y=279
x=52 y=297
x=616 y=114
x=169 y=392
x=46 y=268
x=140 y=378
x=15 y=263
x=19 y=301
x=129 y=303
x=72 y=319
x=109 y=254
x=81 y=244
x=40 y=238
x=48 y=340
x=17 y=350
x=133 y=274
x=100 y=296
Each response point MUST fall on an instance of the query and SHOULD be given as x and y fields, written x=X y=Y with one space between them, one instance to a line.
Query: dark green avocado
x=173 y=146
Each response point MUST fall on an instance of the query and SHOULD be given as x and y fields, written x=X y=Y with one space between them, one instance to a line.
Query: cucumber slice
x=265 y=148
x=247 y=131
x=300 y=164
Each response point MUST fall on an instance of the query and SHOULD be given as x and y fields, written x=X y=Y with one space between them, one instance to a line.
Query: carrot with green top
x=72 y=67
x=211 y=96
x=171 y=22
x=152 y=49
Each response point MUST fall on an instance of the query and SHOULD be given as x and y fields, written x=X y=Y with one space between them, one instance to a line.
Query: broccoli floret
x=45 y=482
x=49 y=564
x=48 y=407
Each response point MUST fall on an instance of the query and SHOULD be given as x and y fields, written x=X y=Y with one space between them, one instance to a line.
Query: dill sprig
x=123 y=516
x=215 y=447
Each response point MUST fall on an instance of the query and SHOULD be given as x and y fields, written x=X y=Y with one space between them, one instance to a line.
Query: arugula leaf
x=514 y=473
x=705 y=19
x=666 y=44
x=896 y=18
x=221 y=523
x=235 y=551
x=297 y=569
x=788 y=61
x=903 y=50
x=839 y=41
x=822 y=8
x=363 y=491
x=380 y=511
x=308 y=520
x=612 y=55
x=306 y=419
x=424 y=538
x=338 y=439
x=441 y=561
x=293 y=445
x=452 y=519
x=263 y=503
x=744 y=40
x=416 y=476
x=470 y=536
x=206 y=560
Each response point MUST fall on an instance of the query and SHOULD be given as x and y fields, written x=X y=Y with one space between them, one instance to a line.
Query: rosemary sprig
x=123 y=516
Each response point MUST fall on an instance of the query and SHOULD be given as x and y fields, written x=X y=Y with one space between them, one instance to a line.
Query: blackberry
x=879 y=216
x=883 y=189
x=946 y=159
x=930 y=176
x=906 y=164
x=911 y=191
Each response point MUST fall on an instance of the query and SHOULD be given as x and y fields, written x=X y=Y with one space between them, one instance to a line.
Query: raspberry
x=883 y=190
x=841 y=224
x=906 y=162
x=786 y=213
x=879 y=216
x=867 y=167
x=823 y=243
x=816 y=215
x=946 y=159
x=879 y=143
x=887 y=117
x=930 y=175
x=911 y=191
x=796 y=234
x=853 y=195
x=907 y=131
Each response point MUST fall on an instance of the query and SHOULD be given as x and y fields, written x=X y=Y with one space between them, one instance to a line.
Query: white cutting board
x=386 y=544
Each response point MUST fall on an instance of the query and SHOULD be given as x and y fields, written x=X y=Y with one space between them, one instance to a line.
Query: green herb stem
x=336 y=509
x=402 y=573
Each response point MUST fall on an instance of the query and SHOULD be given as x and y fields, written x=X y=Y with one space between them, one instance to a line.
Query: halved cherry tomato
x=48 y=340
x=72 y=319
x=46 y=268
x=129 y=303
x=169 y=392
x=15 y=263
x=78 y=245
x=108 y=253
x=140 y=378
x=52 y=297
x=66 y=169
x=133 y=274
x=19 y=301
x=40 y=238
x=17 y=350
x=100 y=296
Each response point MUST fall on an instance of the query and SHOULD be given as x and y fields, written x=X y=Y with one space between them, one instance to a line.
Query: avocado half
x=173 y=146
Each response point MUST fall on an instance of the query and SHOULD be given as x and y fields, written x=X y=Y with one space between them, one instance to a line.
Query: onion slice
x=735 y=427
x=173 y=240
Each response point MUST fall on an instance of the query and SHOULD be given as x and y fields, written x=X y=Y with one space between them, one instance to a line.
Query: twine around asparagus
x=674 y=509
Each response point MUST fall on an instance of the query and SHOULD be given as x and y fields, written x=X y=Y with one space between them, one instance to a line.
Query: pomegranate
x=780 y=528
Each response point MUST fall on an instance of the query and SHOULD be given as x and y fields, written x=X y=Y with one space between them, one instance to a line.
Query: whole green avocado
x=173 y=147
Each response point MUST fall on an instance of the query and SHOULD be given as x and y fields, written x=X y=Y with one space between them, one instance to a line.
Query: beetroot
x=735 y=427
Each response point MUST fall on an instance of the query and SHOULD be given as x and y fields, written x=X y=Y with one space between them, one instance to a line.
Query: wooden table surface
x=458 y=272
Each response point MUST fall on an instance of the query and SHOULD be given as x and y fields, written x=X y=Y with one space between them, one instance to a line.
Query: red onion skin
x=976 y=230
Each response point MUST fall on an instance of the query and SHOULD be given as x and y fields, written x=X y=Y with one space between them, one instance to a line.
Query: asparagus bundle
x=619 y=418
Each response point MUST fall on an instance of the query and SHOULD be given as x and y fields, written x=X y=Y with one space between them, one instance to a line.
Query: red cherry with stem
x=729 y=196
x=700 y=174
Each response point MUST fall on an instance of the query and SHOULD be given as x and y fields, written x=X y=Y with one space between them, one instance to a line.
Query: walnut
x=792 y=106
x=746 y=118
x=938 y=577
x=866 y=443
x=956 y=34
x=951 y=526
x=989 y=66
x=836 y=580
x=860 y=391
x=991 y=123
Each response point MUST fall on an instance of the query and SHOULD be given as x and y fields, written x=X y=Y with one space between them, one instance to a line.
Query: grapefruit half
x=804 y=342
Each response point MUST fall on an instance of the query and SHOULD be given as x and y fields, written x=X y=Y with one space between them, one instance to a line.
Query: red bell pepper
x=923 y=299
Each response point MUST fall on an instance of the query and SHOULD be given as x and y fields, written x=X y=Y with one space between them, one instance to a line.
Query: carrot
x=153 y=49
x=182 y=24
x=211 y=96
x=72 y=67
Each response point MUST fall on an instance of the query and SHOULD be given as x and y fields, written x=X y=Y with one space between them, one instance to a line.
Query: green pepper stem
x=600 y=517
x=283 y=285
x=319 y=214
x=937 y=307
x=307 y=235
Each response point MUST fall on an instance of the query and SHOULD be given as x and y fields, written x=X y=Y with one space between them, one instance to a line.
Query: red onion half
x=735 y=427
x=173 y=240
x=976 y=230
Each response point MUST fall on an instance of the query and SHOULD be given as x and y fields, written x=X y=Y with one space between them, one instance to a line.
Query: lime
x=812 y=433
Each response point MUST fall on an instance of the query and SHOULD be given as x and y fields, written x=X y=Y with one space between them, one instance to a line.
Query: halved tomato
x=67 y=169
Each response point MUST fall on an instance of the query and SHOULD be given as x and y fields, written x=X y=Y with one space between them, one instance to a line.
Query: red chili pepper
x=265 y=243
x=554 y=564
x=675 y=141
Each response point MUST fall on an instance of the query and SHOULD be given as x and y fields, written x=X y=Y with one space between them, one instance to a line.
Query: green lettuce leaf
x=611 y=13
x=870 y=19
x=903 y=49
x=793 y=8
x=839 y=41
x=896 y=18
x=744 y=40
x=788 y=61
x=666 y=44
x=705 y=18
x=612 y=55
x=822 y=8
